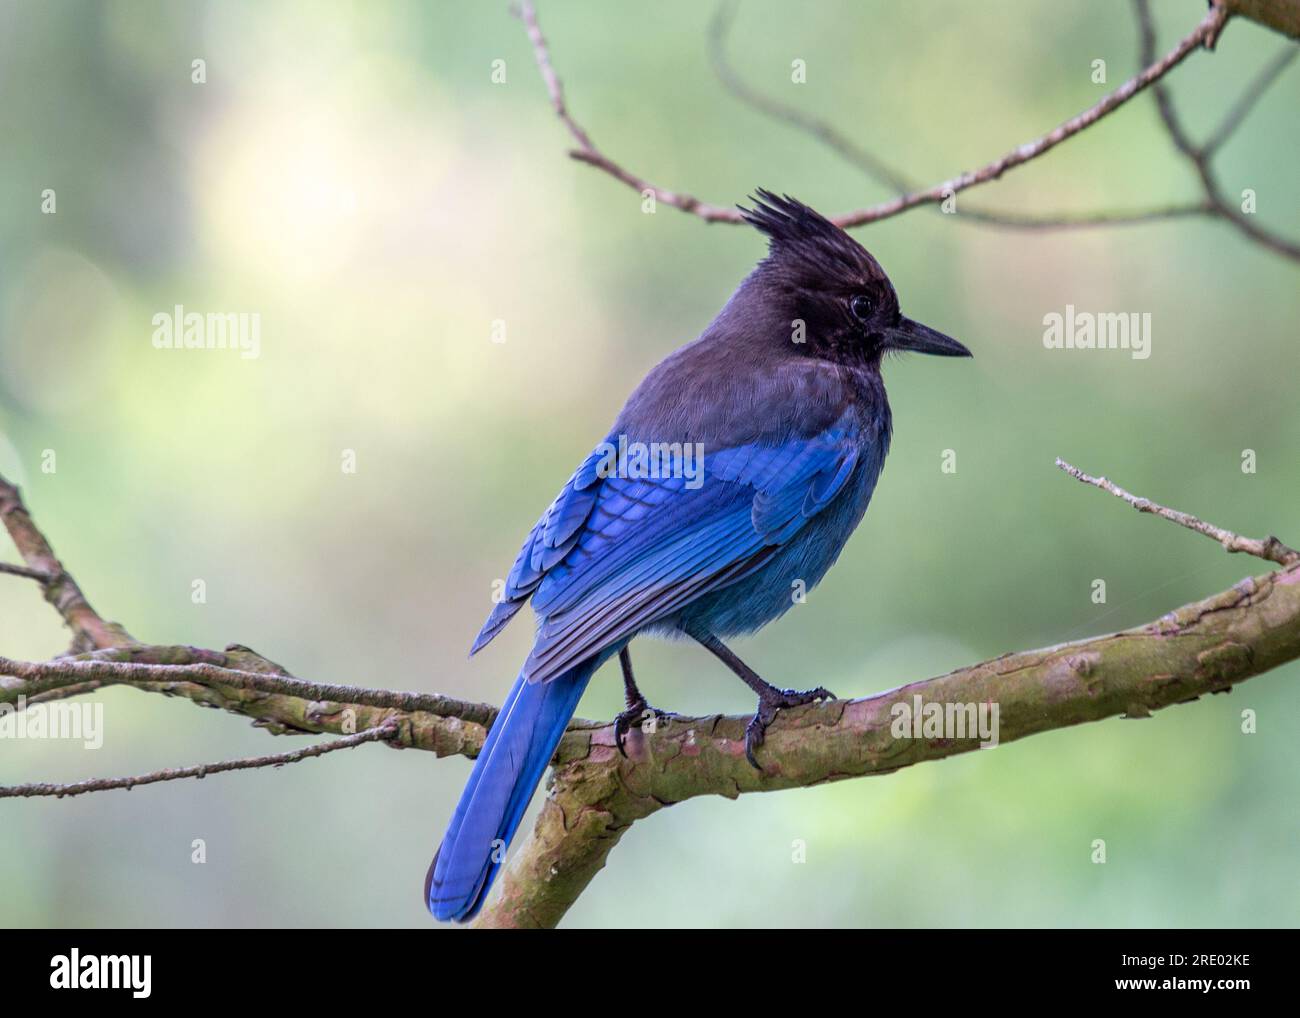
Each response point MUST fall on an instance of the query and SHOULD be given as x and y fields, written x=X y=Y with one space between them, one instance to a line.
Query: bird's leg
x=770 y=698
x=637 y=707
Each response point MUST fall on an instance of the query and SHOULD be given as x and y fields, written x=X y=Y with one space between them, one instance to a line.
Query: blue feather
x=792 y=435
x=519 y=746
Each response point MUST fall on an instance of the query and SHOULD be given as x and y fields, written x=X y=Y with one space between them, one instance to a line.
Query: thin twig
x=1203 y=35
x=198 y=771
x=1254 y=91
x=1199 y=155
x=586 y=150
x=46 y=675
x=31 y=574
x=1270 y=548
x=60 y=693
x=875 y=168
x=1081 y=220
x=89 y=629
x=839 y=143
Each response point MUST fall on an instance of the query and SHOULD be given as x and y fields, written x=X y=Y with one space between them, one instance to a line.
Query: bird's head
x=840 y=303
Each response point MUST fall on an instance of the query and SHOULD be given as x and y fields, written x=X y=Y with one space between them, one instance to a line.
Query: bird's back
x=725 y=393
x=779 y=411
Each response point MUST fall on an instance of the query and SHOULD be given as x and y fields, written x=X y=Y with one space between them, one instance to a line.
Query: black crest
x=803 y=240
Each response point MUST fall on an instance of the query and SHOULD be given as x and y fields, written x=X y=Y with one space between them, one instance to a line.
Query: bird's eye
x=861 y=307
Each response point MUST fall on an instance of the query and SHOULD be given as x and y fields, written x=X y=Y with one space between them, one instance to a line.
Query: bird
x=776 y=426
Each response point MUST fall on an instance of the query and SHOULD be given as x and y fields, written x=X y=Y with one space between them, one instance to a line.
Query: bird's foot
x=639 y=714
x=770 y=703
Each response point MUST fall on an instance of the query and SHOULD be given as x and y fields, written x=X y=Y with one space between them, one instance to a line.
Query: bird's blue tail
x=518 y=748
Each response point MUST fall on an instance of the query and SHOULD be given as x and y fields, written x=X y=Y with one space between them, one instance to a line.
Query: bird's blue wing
x=614 y=554
x=549 y=541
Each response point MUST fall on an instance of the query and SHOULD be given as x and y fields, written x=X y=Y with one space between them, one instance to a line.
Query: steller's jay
x=783 y=399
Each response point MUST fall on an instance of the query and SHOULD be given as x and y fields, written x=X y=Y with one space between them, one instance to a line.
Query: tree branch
x=241 y=681
x=1205 y=34
x=1280 y=15
x=1213 y=203
x=841 y=144
x=1270 y=548
x=596 y=794
x=1236 y=116
x=205 y=670
x=197 y=771
x=875 y=168
x=31 y=574
x=88 y=629
x=1216 y=202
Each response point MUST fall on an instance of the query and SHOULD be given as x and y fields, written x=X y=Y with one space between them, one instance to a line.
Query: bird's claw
x=768 y=707
x=637 y=714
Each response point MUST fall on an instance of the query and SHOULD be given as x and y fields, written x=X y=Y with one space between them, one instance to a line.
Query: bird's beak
x=918 y=338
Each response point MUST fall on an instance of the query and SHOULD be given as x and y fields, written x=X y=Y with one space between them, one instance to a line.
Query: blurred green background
x=351 y=172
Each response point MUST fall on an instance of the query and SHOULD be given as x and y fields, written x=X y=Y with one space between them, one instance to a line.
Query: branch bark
x=1280 y=15
x=1203 y=35
x=1205 y=647
x=1216 y=202
x=38 y=789
x=877 y=169
x=596 y=794
x=241 y=681
x=1212 y=203
x=61 y=590
x=1269 y=548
